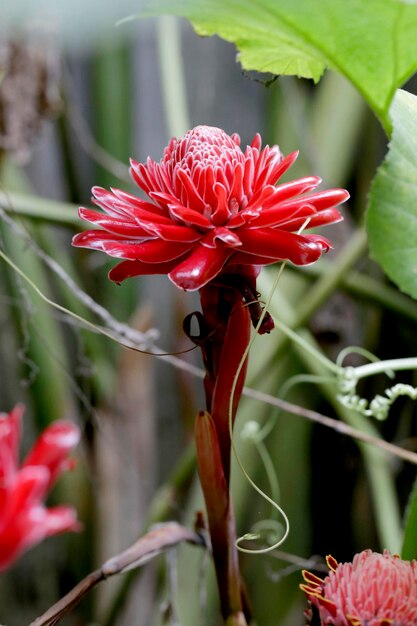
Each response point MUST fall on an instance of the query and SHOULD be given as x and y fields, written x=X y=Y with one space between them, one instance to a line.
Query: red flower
x=374 y=590
x=24 y=520
x=213 y=208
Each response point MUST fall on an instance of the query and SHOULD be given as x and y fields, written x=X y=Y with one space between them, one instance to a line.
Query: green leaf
x=372 y=43
x=392 y=212
x=409 y=549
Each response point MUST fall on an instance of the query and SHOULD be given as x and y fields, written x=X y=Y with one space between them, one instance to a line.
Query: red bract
x=213 y=209
x=24 y=519
x=374 y=590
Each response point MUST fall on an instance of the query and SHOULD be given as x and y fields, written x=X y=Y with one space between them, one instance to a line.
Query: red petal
x=260 y=198
x=52 y=447
x=236 y=190
x=119 y=208
x=280 y=245
x=60 y=519
x=10 y=432
x=328 y=216
x=320 y=200
x=174 y=232
x=295 y=188
x=113 y=225
x=278 y=215
x=265 y=172
x=163 y=199
x=256 y=142
x=221 y=212
x=110 y=203
x=248 y=172
x=96 y=239
x=135 y=202
x=322 y=241
x=144 y=217
x=29 y=488
x=200 y=267
x=27 y=529
x=152 y=251
x=189 y=216
x=280 y=168
x=328 y=604
x=128 y=269
x=312 y=579
x=194 y=199
x=222 y=234
x=239 y=220
x=332 y=564
x=141 y=177
x=209 y=182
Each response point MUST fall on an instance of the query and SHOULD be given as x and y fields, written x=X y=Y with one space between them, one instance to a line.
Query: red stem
x=226 y=335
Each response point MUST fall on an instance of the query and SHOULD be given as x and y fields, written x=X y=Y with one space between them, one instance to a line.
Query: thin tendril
x=355 y=350
x=327 y=362
x=275 y=505
x=265 y=496
x=308 y=348
x=294 y=380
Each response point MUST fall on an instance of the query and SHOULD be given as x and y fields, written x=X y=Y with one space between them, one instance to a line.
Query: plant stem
x=39 y=208
x=381 y=367
x=174 y=90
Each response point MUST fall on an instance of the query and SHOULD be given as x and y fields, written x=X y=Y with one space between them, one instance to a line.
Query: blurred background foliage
x=73 y=109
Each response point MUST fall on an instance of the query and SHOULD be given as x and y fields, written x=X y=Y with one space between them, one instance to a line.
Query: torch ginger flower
x=374 y=590
x=213 y=217
x=24 y=519
x=213 y=209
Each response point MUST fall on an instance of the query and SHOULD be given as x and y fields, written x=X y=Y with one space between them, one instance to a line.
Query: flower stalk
x=220 y=515
x=215 y=215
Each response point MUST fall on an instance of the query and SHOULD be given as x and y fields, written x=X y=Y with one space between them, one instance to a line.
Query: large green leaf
x=372 y=42
x=392 y=212
x=409 y=547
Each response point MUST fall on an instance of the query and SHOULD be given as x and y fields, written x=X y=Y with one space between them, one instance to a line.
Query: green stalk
x=97 y=351
x=50 y=387
x=111 y=82
x=37 y=208
x=51 y=391
x=171 y=69
x=334 y=140
x=112 y=123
